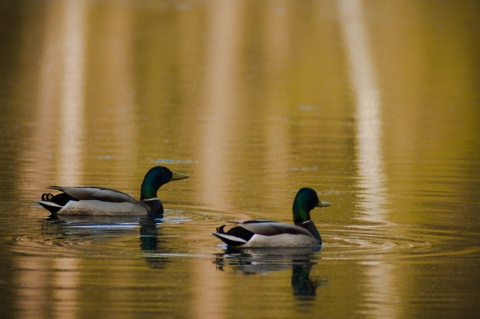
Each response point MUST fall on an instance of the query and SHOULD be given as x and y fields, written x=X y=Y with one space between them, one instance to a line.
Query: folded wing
x=95 y=193
x=271 y=228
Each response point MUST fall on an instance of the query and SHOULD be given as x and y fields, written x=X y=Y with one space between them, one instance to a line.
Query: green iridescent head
x=305 y=201
x=155 y=178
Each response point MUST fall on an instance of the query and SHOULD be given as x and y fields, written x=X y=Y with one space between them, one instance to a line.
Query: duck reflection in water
x=253 y=261
x=84 y=230
x=149 y=234
x=149 y=242
x=303 y=287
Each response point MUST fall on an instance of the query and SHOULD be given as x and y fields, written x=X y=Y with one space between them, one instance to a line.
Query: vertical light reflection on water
x=61 y=68
x=219 y=96
x=116 y=28
x=66 y=282
x=46 y=101
x=71 y=129
x=368 y=129
x=71 y=107
x=278 y=26
x=220 y=102
x=369 y=152
x=31 y=298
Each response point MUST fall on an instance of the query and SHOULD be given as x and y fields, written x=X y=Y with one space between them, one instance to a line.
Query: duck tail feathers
x=50 y=206
x=228 y=239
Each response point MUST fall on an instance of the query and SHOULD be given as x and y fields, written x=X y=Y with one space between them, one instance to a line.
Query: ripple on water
x=186 y=231
x=108 y=236
x=377 y=242
x=392 y=241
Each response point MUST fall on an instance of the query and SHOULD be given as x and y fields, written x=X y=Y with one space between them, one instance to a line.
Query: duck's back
x=95 y=193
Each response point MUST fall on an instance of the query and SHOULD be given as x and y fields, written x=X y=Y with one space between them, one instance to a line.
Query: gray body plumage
x=95 y=193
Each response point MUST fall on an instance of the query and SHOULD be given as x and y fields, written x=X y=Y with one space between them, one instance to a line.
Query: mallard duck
x=267 y=233
x=91 y=200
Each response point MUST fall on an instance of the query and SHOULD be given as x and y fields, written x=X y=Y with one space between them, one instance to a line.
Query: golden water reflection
x=254 y=100
x=369 y=134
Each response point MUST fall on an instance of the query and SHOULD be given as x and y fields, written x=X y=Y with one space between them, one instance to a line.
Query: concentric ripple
x=186 y=231
x=399 y=242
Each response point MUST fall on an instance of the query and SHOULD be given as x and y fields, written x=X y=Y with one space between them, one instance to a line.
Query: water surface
x=375 y=105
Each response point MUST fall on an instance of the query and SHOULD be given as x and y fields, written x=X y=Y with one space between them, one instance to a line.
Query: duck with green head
x=92 y=200
x=267 y=233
